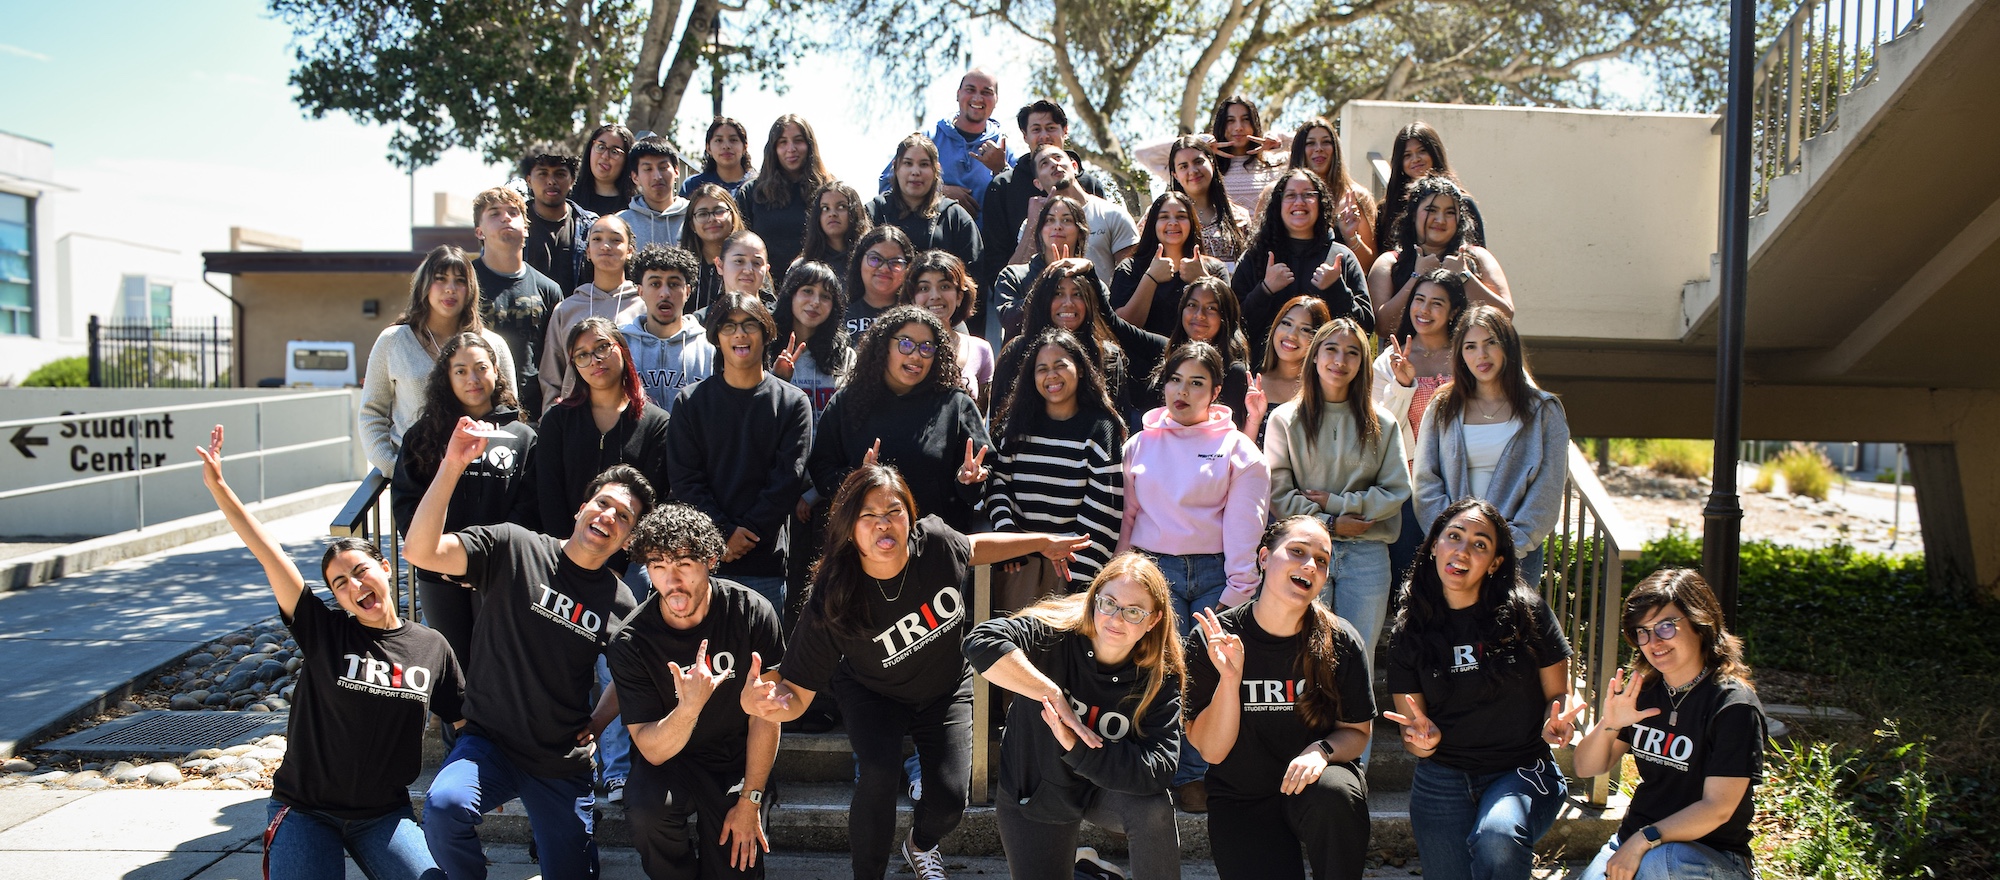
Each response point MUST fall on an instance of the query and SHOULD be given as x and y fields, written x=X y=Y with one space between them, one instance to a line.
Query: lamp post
x=1722 y=518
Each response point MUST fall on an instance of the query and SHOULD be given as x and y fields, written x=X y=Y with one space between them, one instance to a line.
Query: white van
x=319 y=364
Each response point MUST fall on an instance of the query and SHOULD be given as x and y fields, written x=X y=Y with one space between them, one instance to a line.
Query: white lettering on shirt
x=920 y=627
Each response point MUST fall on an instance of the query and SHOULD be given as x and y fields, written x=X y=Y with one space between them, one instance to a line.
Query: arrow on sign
x=22 y=441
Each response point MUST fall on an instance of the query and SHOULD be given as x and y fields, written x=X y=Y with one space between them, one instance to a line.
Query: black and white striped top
x=1067 y=478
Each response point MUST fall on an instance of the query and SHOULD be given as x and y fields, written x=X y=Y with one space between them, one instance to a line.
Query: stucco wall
x=283 y=306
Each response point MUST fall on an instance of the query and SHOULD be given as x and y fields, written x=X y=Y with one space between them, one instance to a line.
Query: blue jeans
x=308 y=846
x=1358 y=582
x=614 y=745
x=1531 y=568
x=1482 y=827
x=1196 y=583
x=1404 y=550
x=770 y=586
x=477 y=777
x=1674 y=861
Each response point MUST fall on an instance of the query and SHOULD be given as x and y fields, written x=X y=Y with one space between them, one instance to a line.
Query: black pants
x=450 y=609
x=1038 y=850
x=1260 y=838
x=876 y=725
x=659 y=801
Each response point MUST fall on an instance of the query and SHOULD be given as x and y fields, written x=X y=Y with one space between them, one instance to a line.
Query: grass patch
x=1690 y=459
x=1918 y=789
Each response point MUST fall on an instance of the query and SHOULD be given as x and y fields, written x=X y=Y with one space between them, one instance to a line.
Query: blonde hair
x=1158 y=652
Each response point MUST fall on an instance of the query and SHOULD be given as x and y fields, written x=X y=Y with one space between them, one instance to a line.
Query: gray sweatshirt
x=1527 y=484
x=668 y=364
x=654 y=227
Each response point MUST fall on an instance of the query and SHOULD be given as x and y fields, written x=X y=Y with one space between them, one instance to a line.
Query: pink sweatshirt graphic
x=1198 y=489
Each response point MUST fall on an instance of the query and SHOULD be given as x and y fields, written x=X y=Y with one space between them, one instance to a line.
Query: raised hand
x=1225 y=648
x=466 y=447
x=993 y=156
x=1457 y=264
x=1277 y=276
x=1068 y=728
x=1035 y=208
x=1326 y=275
x=1418 y=729
x=1061 y=548
x=1426 y=262
x=694 y=684
x=1561 y=724
x=788 y=358
x=873 y=453
x=764 y=699
x=1192 y=267
x=1399 y=362
x=1254 y=404
x=211 y=459
x=1621 y=706
x=1349 y=216
x=974 y=470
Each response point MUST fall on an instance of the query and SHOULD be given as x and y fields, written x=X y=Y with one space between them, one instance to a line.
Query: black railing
x=366 y=516
x=146 y=353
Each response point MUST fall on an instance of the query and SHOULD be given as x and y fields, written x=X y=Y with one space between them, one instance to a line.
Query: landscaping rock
x=267 y=755
x=51 y=777
x=195 y=785
x=233 y=784
x=256 y=707
x=17 y=765
x=162 y=773
x=184 y=703
x=93 y=783
x=128 y=707
x=124 y=773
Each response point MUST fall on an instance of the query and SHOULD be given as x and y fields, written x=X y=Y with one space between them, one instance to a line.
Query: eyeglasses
x=1665 y=631
x=925 y=350
x=876 y=261
x=613 y=149
x=1133 y=614
x=711 y=213
x=745 y=326
x=1302 y=197
x=586 y=358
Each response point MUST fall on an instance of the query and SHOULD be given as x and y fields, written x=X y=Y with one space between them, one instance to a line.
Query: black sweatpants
x=450 y=609
x=1259 y=839
x=876 y=725
x=1038 y=850
x=659 y=801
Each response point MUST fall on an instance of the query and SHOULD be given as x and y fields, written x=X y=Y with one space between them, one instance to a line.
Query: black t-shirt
x=1272 y=732
x=1488 y=725
x=1720 y=733
x=544 y=622
x=357 y=724
x=517 y=307
x=587 y=196
x=916 y=626
x=551 y=248
x=860 y=316
x=738 y=622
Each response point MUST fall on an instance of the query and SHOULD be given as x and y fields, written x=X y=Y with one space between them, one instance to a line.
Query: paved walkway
x=65 y=644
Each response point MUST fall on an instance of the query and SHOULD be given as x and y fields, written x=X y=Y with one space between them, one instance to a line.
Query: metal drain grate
x=165 y=732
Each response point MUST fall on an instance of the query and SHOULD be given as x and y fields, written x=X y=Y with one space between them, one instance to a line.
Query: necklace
x=1678 y=695
x=435 y=348
x=1483 y=413
x=899 y=585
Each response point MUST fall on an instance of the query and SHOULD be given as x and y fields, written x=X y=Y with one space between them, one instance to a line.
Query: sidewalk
x=66 y=644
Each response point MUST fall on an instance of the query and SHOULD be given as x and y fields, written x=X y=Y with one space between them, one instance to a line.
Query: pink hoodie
x=1198 y=489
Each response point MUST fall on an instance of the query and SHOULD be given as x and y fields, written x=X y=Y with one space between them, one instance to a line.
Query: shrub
x=1806 y=471
x=1690 y=459
x=69 y=372
x=1766 y=479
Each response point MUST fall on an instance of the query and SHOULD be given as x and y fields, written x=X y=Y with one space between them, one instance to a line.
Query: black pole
x=1722 y=519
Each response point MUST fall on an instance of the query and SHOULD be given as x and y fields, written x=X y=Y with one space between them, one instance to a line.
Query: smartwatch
x=1652 y=836
x=757 y=798
x=1324 y=749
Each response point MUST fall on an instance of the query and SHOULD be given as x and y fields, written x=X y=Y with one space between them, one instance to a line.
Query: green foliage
x=1679 y=458
x=1817 y=834
x=1767 y=477
x=69 y=372
x=1806 y=471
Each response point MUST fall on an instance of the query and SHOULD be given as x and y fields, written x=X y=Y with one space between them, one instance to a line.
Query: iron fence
x=147 y=353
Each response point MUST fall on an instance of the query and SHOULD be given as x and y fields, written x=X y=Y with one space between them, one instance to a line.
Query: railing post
x=260 y=448
x=982 y=693
x=96 y=356
x=1794 y=97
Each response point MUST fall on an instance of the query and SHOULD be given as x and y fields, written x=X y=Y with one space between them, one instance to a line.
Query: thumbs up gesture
x=1277 y=276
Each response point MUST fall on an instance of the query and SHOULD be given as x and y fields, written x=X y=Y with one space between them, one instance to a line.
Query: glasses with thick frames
x=908 y=346
x=1665 y=631
x=1131 y=614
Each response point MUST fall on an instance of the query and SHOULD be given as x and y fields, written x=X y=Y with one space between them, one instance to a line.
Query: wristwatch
x=1652 y=836
x=756 y=796
x=1324 y=749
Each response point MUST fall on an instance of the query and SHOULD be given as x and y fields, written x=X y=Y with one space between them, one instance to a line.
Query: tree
x=496 y=75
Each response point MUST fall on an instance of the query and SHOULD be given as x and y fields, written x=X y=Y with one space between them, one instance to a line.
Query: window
x=17 y=304
x=160 y=303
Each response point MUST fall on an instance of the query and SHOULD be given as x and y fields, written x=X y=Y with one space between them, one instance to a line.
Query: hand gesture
x=1035 y=210
x=1192 y=267
x=1326 y=275
x=1268 y=142
x=764 y=699
x=741 y=541
x=1621 y=706
x=1457 y=264
x=993 y=156
x=1399 y=362
x=1277 y=276
x=873 y=453
x=1303 y=771
x=743 y=834
x=1225 y=648
x=1254 y=404
x=1348 y=525
x=1349 y=217
x=465 y=447
x=788 y=358
x=1061 y=548
x=695 y=684
x=1624 y=864
x=1419 y=732
x=1162 y=269
x=974 y=470
x=1064 y=253
x=1426 y=262
x=1561 y=724
x=1068 y=728
x=211 y=459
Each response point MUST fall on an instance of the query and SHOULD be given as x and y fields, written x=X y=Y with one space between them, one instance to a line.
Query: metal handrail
x=1825 y=51
x=1583 y=582
x=176 y=408
x=366 y=516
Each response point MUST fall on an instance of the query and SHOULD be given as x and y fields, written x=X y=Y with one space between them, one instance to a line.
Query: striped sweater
x=1063 y=477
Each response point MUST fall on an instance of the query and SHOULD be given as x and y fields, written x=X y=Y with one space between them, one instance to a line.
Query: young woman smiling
x=1061 y=232
x=1316 y=148
x=725 y=160
x=611 y=293
x=839 y=220
x=1095 y=722
x=1224 y=224
x=1298 y=252
x=444 y=297
x=1419 y=151
x=1288 y=351
x=1210 y=313
x=875 y=277
x=1069 y=296
x=1437 y=233
x=1479 y=670
x=777 y=204
x=1415 y=362
x=938 y=283
x=1168 y=256
x=813 y=353
x=917 y=205
x=1492 y=434
x=1281 y=704
x=711 y=219
x=1248 y=160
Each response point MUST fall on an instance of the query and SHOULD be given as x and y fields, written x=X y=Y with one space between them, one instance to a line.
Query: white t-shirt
x=1483 y=445
x=1111 y=231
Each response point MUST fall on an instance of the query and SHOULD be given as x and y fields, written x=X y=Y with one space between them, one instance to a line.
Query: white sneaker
x=928 y=864
x=1089 y=865
x=616 y=795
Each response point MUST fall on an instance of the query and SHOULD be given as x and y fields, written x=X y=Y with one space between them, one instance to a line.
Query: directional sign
x=23 y=440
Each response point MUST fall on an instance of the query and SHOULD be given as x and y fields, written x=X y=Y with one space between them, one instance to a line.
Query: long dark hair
x=1218 y=197
x=439 y=263
x=1318 y=666
x=1317 y=311
x=1219 y=123
x=1424 y=189
x=816 y=245
x=1271 y=231
x=776 y=187
x=1721 y=650
x=837 y=579
x=1149 y=234
x=1230 y=337
x=1506 y=606
x=425 y=440
x=586 y=179
x=1037 y=317
x=742 y=134
x=1024 y=408
x=1450 y=399
x=1360 y=402
x=1399 y=182
x=1338 y=178
x=889 y=232
x=933 y=203
x=866 y=386
x=828 y=345
x=635 y=390
x=692 y=240
x=1208 y=356
x=1454 y=290
x=1076 y=214
x=955 y=275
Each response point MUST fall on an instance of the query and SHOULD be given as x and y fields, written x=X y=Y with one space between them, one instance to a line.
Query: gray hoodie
x=668 y=364
x=1527 y=485
x=588 y=301
x=654 y=227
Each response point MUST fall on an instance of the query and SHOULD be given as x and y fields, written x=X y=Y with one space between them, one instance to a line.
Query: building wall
x=282 y=306
x=90 y=280
x=1598 y=218
x=27 y=168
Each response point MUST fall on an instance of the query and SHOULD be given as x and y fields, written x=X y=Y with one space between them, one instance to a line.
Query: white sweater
x=392 y=393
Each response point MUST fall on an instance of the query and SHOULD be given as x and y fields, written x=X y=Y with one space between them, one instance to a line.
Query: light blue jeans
x=1675 y=861
x=1358 y=582
x=1196 y=583
x=310 y=845
x=614 y=745
x=770 y=586
x=1482 y=827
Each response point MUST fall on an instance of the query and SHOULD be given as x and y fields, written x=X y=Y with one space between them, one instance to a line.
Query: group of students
x=1200 y=483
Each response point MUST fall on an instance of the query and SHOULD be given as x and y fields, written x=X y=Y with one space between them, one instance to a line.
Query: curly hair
x=1391 y=209
x=425 y=440
x=665 y=258
x=676 y=531
x=1023 y=408
x=1271 y=230
x=1424 y=189
x=817 y=246
x=1506 y=606
x=867 y=385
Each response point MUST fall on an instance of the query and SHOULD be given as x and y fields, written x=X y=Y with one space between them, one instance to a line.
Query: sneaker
x=928 y=864
x=615 y=795
x=1089 y=865
x=916 y=789
x=1192 y=796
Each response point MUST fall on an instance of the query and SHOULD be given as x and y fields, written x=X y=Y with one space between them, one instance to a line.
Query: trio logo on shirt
x=1663 y=747
x=567 y=611
x=1271 y=695
x=1110 y=725
x=1465 y=658
x=919 y=627
x=501 y=457
x=385 y=678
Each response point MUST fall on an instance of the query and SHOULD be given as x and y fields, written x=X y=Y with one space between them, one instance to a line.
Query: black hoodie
x=496 y=488
x=1054 y=785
